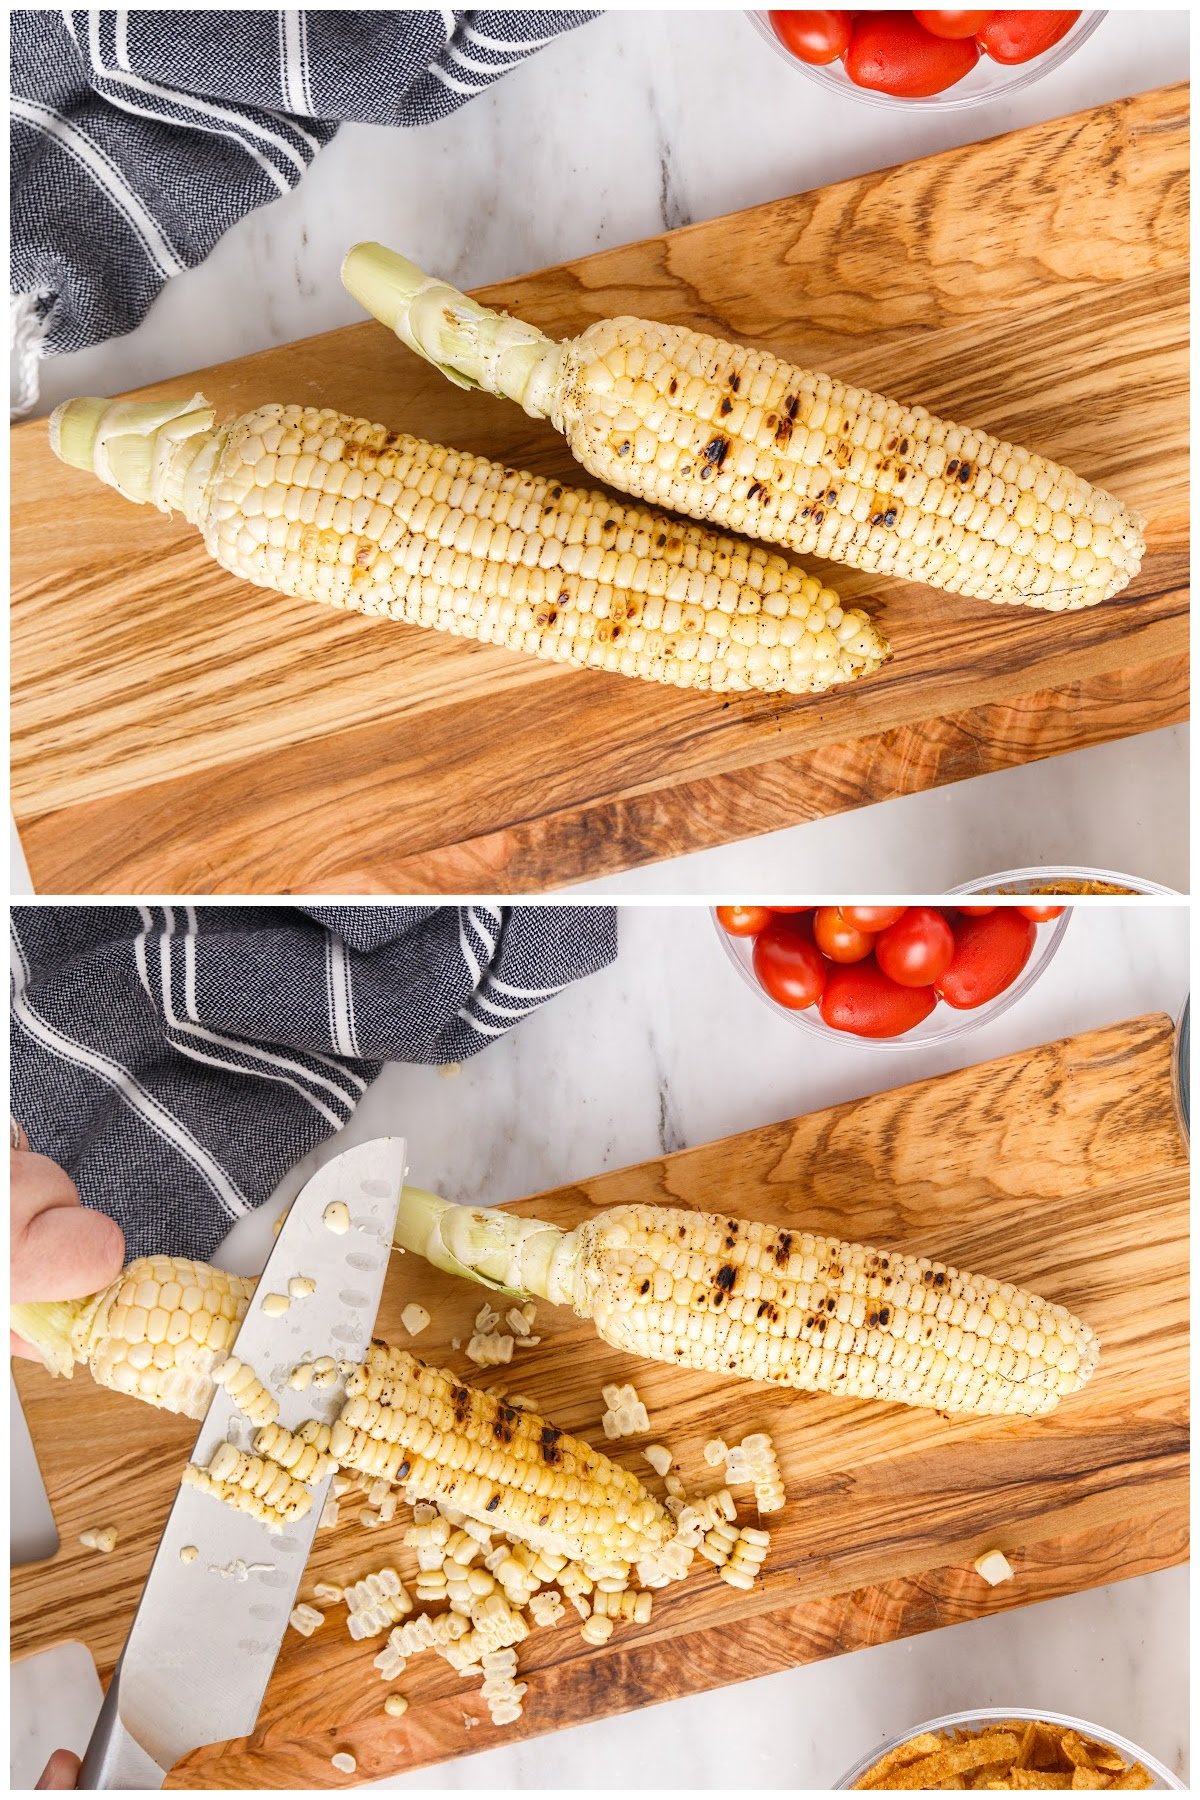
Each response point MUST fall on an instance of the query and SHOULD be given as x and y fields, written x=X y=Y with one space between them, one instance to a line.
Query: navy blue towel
x=177 y=1061
x=140 y=137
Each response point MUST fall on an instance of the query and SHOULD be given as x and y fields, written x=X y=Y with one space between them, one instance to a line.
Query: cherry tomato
x=863 y=1000
x=1041 y=914
x=1015 y=37
x=791 y=909
x=916 y=951
x=975 y=912
x=989 y=954
x=813 y=37
x=788 y=964
x=744 y=921
x=871 y=918
x=837 y=939
x=892 y=54
x=953 y=24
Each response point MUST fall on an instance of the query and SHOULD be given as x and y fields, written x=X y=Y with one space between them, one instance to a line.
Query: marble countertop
x=636 y=152
x=665 y=1049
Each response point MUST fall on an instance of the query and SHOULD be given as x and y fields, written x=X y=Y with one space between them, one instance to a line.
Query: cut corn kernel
x=247 y=1392
x=596 y=1630
x=275 y=1305
x=188 y=1553
x=395 y=1706
x=414 y=1318
x=103 y=1538
x=301 y=1286
x=336 y=1217
x=510 y=1470
x=659 y=1458
x=344 y=1762
x=994 y=1566
x=305 y=1619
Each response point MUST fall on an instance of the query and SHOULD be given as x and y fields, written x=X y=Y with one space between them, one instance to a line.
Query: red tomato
x=863 y=1000
x=744 y=921
x=871 y=918
x=1015 y=37
x=975 y=912
x=953 y=24
x=916 y=950
x=892 y=54
x=1041 y=914
x=813 y=37
x=989 y=954
x=788 y=964
x=791 y=909
x=837 y=939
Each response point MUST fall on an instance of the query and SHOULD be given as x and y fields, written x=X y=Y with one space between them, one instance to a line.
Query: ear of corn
x=742 y=1298
x=310 y=503
x=445 y=1441
x=160 y=1331
x=749 y=442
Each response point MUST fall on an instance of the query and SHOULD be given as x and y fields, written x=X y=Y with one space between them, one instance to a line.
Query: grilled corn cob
x=448 y=1442
x=742 y=1298
x=160 y=1331
x=311 y=503
x=738 y=437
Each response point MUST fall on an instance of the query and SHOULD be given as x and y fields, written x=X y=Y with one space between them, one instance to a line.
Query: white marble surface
x=672 y=117
x=665 y=1049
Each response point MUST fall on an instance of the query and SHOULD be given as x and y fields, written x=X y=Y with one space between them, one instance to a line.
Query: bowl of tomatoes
x=892 y=976
x=1062 y=881
x=926 y=59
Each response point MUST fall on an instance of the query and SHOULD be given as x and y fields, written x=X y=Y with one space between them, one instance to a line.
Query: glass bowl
x=988 y=80
x=1029 y=881
x=994 y=1715
x=944 y=1022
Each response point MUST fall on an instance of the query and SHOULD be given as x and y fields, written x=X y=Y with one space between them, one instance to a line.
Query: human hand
x=62 y=1771
x=61 y=1250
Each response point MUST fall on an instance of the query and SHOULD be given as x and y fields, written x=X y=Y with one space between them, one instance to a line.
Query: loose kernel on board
x=275 y=1305
x=336 y=1217
x=188 y=1553
x=395 y=1706
x=344 y=1762
x=414 y=1318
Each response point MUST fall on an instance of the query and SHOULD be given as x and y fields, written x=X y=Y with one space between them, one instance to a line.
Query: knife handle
x=113 y=1758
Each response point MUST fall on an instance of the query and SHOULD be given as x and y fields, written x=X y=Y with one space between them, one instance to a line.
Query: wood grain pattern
x=1061 y=1169
x=173 y=728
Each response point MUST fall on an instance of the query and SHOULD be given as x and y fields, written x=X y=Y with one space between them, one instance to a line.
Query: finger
x=18 y=1347
x=62 y=1771
x=66 y=1252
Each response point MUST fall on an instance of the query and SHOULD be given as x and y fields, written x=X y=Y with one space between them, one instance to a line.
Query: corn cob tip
x=473 y=346
x=128 y=443
x=49 y=1325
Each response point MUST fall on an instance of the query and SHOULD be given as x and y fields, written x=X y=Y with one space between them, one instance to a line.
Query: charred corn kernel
x=301 y=1377
x=779 y=1304
x=395 y=1706
x=253 y=1484
x=596 y=1630
x=414 y=1318
x=440 y=538
x=742 y=439
x=158 y=1332
x=275 y=1305
x=301 y=1286
x=510 y=1470
x=324 y=1372
x=305 y=1619
x=303 y=1461
x=246 y=1391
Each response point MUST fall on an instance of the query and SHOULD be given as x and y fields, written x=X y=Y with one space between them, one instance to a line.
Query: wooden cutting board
x=1061 y=1169
x=175 y=729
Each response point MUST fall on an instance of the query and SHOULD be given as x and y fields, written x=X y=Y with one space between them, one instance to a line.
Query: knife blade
x=207 y=1631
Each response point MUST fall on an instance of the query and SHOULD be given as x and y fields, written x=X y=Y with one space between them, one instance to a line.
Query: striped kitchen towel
x=177 y=1061
x=140 y=136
